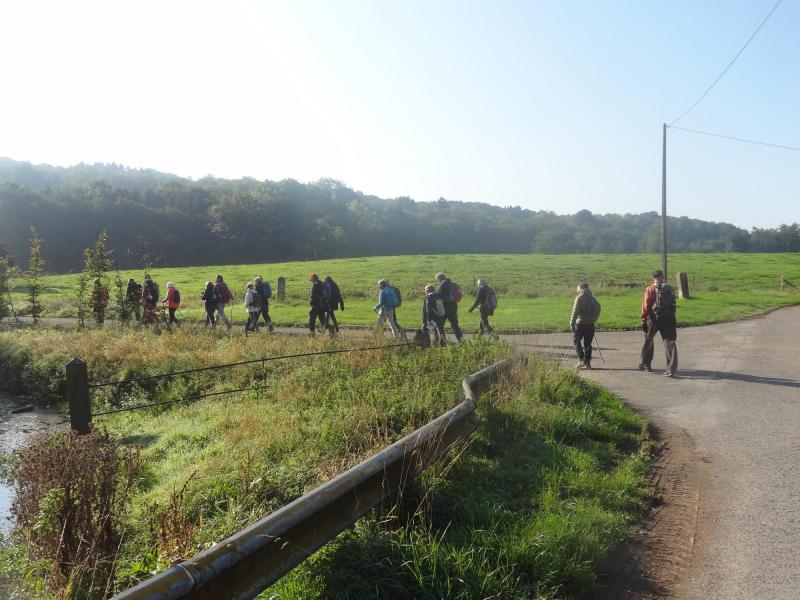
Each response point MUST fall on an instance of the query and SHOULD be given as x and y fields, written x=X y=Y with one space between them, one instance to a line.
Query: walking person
x=209 y=297
x=387 y=302
x=317 y=304
x=433 y=315
x=335 y=301
x=133 y=296
x=264 y=290
x=224 y=296
x=252 y=305
x=585 y=312
x=450 y=295
x=486 y=301
x=99 y=301
x=173 y=302
x=150 y=294
x=658 y=316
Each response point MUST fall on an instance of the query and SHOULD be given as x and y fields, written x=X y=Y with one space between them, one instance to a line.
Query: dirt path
x=727 y=524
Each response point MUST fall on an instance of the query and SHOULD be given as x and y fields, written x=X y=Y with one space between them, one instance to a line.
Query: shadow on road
x=701 y=374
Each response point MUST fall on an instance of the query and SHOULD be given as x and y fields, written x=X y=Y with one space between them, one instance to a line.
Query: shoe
x=588 y=366
x=581 y=365
x=644 y=367
x=668 y=373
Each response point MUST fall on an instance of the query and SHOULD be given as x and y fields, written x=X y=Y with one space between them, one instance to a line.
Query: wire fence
x=262 y=360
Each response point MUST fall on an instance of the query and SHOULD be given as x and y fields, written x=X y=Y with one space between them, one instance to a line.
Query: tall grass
x=528 y=509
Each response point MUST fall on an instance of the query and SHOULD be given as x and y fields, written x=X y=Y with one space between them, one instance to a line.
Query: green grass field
x=535 y=291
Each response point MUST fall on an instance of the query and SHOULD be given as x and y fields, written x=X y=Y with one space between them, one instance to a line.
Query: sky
x=554 y=105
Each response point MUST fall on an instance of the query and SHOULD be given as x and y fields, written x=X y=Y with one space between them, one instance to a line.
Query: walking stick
x=597 y=343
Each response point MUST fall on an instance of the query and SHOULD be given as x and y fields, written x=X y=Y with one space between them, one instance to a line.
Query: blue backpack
x=266 y=290
x=392 y=300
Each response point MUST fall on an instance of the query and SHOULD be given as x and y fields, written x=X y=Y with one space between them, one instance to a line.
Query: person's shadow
x=702 y=374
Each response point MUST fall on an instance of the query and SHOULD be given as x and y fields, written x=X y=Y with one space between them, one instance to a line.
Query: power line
x=736 y=139
x=730 y=64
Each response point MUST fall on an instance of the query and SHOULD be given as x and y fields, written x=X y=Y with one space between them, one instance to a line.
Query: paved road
x=737 y=398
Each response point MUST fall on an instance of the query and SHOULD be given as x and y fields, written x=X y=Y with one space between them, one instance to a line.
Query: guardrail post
x=80 y=412
x=281 y=289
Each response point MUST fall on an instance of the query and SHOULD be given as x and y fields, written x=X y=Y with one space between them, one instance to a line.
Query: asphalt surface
x=737 y=397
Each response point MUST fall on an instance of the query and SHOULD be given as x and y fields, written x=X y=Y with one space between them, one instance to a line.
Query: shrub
x=71 y=494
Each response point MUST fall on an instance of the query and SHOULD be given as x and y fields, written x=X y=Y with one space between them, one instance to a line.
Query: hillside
x=215 y=221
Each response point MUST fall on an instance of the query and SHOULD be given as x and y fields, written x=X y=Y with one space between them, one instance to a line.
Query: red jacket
x=170 y=301
x=648 y=301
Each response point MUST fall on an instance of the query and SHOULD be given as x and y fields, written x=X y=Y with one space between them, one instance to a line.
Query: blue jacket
x=384 y=301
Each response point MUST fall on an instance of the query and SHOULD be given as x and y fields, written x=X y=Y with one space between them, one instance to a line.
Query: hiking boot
x=644 y=367
x=588 y=366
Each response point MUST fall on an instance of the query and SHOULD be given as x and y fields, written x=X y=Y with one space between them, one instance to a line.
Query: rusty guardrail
x=251 y=560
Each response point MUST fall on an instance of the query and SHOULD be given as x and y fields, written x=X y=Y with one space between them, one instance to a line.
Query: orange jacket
x=170 y=299
x=648 y=301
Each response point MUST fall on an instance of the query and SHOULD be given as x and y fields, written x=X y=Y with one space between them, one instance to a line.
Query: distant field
x=535 y=291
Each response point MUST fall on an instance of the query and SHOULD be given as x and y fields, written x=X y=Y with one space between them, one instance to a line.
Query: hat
x=658 y=273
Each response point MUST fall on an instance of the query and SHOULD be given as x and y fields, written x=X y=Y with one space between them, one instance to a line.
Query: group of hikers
x=439 y=306
x=657 y=316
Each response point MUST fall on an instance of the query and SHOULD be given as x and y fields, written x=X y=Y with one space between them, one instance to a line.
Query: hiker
x=387 y=302
x=224 y=296
x=450 y=295
x=99 y=301
x=264 y=290
x=658 y=315
x=252 y=304
x=585 y=312
x=486 y=300
x=317 y=304
x=209 y=297
x=133 y=295
x=172 y=301
x=150 y=293
x=433 y=315
x=333 y=297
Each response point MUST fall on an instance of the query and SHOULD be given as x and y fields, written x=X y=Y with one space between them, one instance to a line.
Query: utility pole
x=664 y=203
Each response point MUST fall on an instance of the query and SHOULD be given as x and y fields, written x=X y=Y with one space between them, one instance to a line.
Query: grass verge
x=528 y=509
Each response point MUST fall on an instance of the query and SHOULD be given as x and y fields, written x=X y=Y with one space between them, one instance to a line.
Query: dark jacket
x=315 y=299
x=265 y=291
x=481 y=299
x=209 y=297
x=134 y=291
x=444 y=293
x=429 y=309
x=336 y=302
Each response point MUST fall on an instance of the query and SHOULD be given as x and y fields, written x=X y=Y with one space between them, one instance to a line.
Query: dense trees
x=215 y=221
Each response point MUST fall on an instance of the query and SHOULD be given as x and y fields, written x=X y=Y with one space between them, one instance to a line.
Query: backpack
x=327 y=291
x=594 y=308
x=391 y=298
x=336 y=294
x=422 y=338
x=224 y=294
x=664 y=306
x=256 y=300
x=176 y=296
x=438 y=308
x=491 y=300
x=455 y=292
x=156 y=292
x=399 y=297
x=266 y=290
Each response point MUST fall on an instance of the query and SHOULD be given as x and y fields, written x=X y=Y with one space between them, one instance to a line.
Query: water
x=15 y=430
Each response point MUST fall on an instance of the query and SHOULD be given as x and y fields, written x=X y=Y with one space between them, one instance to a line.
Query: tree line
x=179 y=221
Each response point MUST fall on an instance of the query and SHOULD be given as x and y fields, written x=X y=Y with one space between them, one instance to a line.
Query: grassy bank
x=529 y=508
x=535 y=291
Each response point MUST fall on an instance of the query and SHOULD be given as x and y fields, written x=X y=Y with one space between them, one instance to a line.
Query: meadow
x=535 y=291
x=531 y=507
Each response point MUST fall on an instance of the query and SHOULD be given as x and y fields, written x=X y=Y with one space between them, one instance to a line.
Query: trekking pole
x=597 y=343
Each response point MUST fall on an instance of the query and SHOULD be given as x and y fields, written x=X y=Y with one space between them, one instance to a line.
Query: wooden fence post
x=80 y=411
x=683 y=285
x=281 y=289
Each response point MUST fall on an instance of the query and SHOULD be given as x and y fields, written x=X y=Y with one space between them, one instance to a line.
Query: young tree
x=34 y=275
x=81 y=287
x=121 y=305
x=5 y=290
x=97 y=265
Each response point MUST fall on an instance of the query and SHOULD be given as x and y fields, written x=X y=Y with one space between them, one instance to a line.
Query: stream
x=15 y=430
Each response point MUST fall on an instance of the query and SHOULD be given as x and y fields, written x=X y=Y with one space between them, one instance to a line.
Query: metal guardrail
x=251 y=560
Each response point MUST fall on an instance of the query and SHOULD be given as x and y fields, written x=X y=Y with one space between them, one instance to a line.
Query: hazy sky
x=548 y=105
